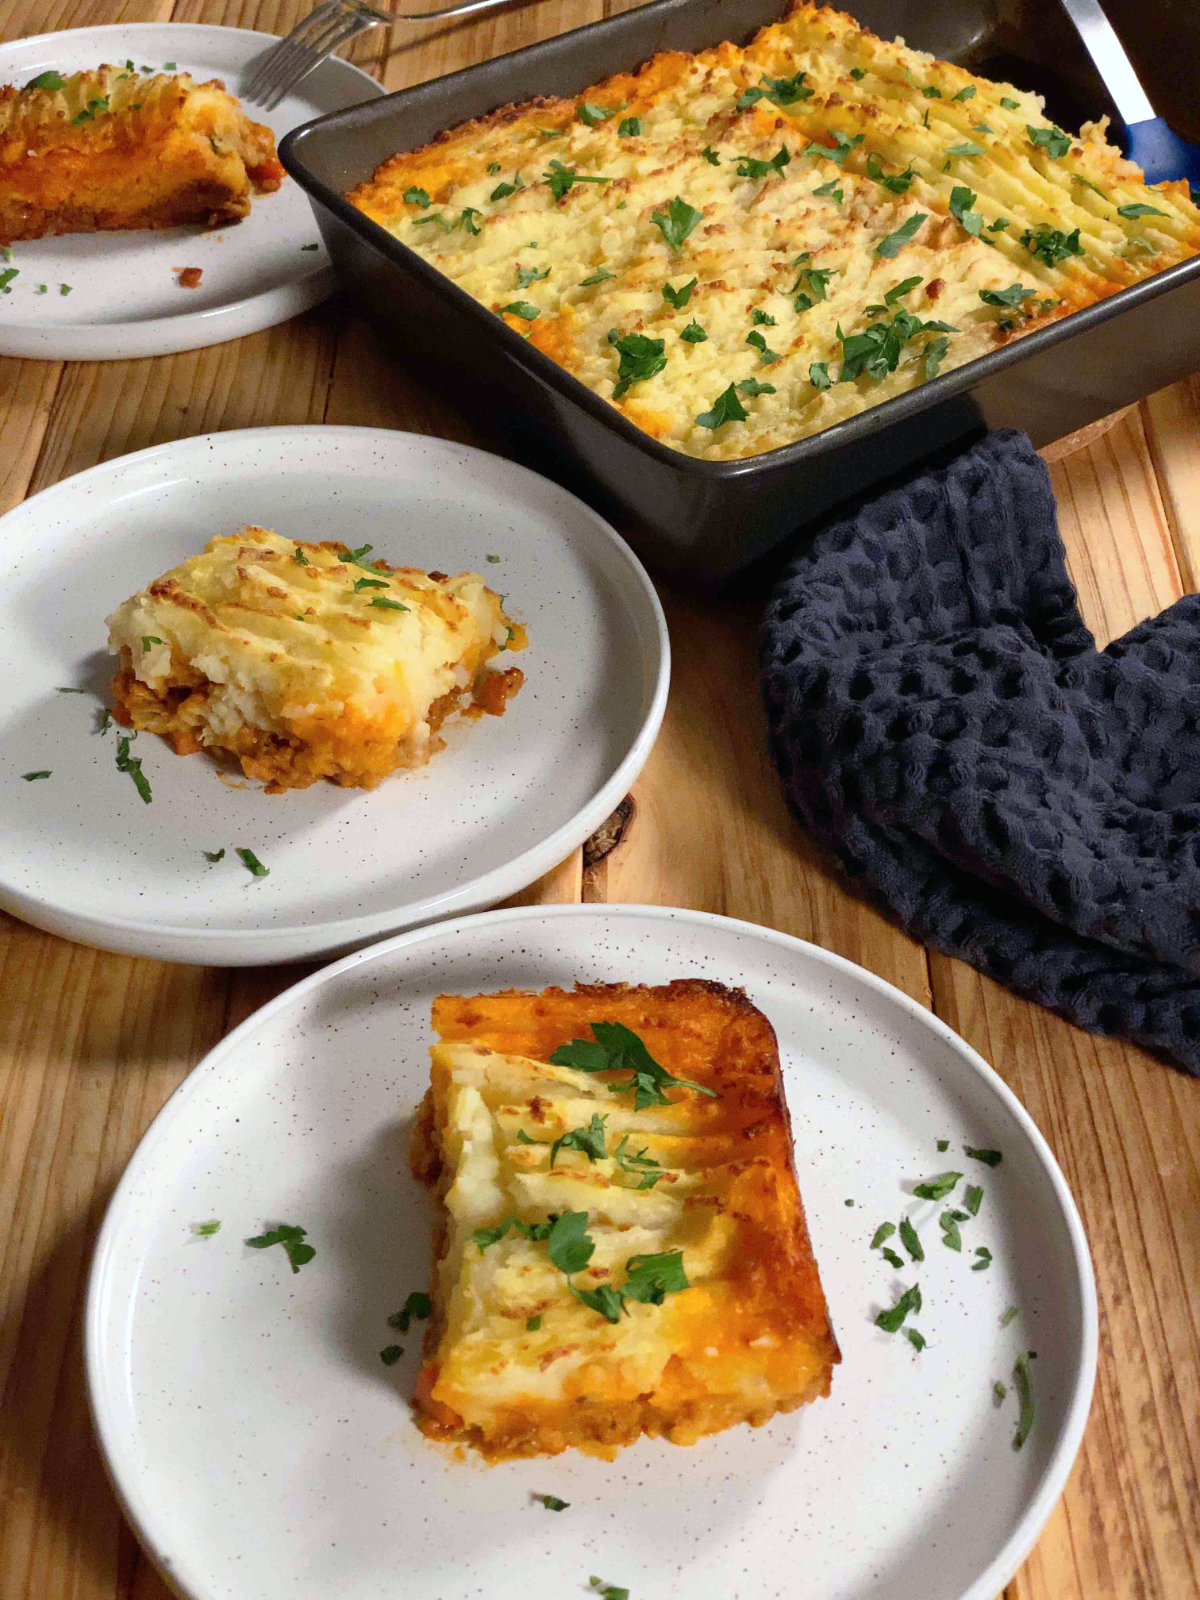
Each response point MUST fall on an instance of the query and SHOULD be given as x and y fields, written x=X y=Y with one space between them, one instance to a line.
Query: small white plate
x=507 y=799
x=261 y=1448
x=125 y=298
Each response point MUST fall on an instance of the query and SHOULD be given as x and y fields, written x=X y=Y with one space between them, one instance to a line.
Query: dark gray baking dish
x=707 y=519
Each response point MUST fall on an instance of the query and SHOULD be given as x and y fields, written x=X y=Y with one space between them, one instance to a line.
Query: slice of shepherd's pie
x=622 y=1246
x=307 y=661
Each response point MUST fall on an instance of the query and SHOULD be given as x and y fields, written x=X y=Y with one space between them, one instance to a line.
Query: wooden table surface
x=92 y=1044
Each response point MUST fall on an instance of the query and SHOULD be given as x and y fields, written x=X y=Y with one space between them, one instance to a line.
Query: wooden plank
x=23 y=18
x=1172 y=420
x=27 y=390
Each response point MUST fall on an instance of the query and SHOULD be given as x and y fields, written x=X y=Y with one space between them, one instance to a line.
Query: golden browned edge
x=625 y=1423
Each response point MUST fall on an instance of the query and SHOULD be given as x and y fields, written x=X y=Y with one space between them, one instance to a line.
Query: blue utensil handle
x=1162 y=154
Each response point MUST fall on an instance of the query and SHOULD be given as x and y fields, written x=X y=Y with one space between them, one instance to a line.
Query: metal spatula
x=1160 y=153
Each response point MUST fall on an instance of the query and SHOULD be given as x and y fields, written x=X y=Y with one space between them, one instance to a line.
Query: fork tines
x=322 y=32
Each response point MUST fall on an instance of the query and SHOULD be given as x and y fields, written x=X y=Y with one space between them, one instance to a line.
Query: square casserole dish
x=704 y=520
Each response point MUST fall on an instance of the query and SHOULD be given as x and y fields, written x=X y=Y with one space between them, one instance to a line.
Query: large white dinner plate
x=509 y=797
x=125 y=298
x=262 y=1449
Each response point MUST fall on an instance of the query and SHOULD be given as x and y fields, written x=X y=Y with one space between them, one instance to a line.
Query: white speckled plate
x=262 y=1449
x=124 y=297
x=508 y=798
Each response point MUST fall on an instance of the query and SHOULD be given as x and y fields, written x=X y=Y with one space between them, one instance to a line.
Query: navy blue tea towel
x=942 y=721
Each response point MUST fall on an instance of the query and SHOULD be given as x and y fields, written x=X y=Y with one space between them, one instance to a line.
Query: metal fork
x=325 y=30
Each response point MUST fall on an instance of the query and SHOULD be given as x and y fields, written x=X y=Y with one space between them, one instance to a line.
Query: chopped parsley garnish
x=492 y=168
x=416 y=197
x=693 y=333
x=148 y=639
x=493 y=559
x=552 y=1502
x=528 y=275
x=381 y=604
x=897 y=292
x=6 y=277
x=876 y=351
x=892 y=243
x=252 y=863
x=41 y=288
x=503 y=190
x=650 y=1278
x=896 y=182
x=638 y=1163
x=935 y=354
x=891 y=1321
x=991 y=1158
x=857 y=74
x=999 y=1390
x=467 y=218
x=892 y=1259
x=417 y=1305
x=616 y=1048
x=215 y=855
x=1008 y=104
x=290 y=1237
x=609 y=1591
x=299 y=557
x=1007 y=1316
x=679 y=297
x=1052 y=140
x=64 y=288
x=310 y=247
x=565 y=1235
x=783 y=91
x=133 y=766
x=591 y=116
x=937 y=1188
x=951 y=1237
x=89 y=111
x=1139 y=210
x=931 y=93
x=1011 y=297
x=711 y=156
x=750 y=167
x=766 y=354
x=630 y=128
x=816 y=283
x=1051 y=245
x=588 y=1141
x=30 y=777
x=725 y=408
x=369 y=583
x=973 y=1199
x=522 y=309
x=601 y=275
x=205 y=1230
x=391 y=1354
x=840 y=151
x=70 y=691
x=354 y=558
x=818 y=375
x=641 y=358
x=966 y=148
x=965 y=94
x=982 y=127
x=961 y=201
x=847 y=1202
x=885 y=1230
x=677 y=221
x=533 y=1324
x=832 y=189
x=562 y=178
x=917 y=1340
x=985 y=1259
x=47 y=80
x=168 y=66
x=943 y=1144
x=751 y=388
x=910 y=1241
x=1023 y=1379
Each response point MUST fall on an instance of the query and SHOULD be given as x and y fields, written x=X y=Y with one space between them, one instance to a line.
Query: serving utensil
x=325 y=30
x=1149 y=140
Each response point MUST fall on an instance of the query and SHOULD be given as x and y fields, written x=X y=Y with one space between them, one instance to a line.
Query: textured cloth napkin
x=942 y=720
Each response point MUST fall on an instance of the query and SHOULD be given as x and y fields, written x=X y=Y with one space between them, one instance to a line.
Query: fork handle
x=449 y=11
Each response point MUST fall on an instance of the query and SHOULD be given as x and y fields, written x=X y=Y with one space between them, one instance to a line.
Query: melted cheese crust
x=114 y=148
x=287 y=665
x=593 y=261
x=751 y=1335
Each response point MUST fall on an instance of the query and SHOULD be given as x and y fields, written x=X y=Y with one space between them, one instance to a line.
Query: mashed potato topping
x=741 y=247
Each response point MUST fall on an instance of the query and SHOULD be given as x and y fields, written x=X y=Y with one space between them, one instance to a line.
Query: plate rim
x=191 y=330
x=1040 y=1505
x=299 y=939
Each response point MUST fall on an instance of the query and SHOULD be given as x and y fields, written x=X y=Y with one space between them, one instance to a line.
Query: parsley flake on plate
x=215 y=855
x=64 y=288
x=608 y=1591
x=310 y=247
x=999 y=1391
x=985 y=1259
x=973 y=1199
x=1023 y=1379
x=616 y=1048
x=552 y=1502
x=916 y=1339
x=885 y=1230
x=70 y=691
x=943 y=1144
x=417 y=1305
x=910 y=1241
x=937 y=1188
x=1007 y=1316
x=390 y=1354
x=133 y=766
x=289 y=1236
x=892 y=1259
x=251 y=861
x=1052 y=140
x=890 y=1321
x=951 y=1237
x=892 y=244
x=677 y=221
x=6 y=278
x=205 y=1230
x=32 y=777
x=990 y=1158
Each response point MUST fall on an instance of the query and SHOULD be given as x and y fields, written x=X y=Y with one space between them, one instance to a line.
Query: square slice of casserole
x=115 y=148
x=307 y=661
x=666 y=1148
